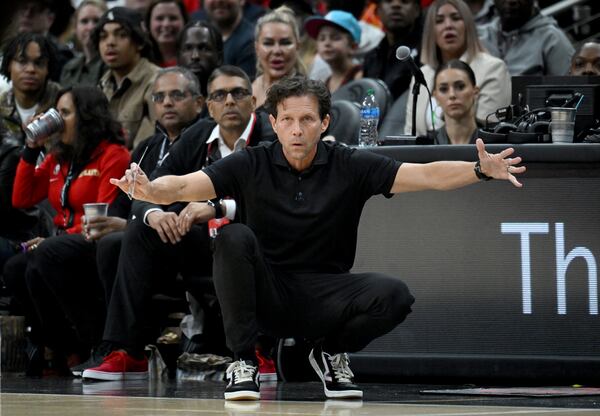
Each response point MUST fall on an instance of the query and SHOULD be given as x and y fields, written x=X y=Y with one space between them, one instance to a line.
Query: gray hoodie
x=539 y=47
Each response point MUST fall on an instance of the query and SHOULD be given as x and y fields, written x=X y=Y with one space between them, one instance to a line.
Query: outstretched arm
x=165 y=190
x=447 y=175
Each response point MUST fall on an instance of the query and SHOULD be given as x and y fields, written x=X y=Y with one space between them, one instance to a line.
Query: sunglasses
x=237 y=94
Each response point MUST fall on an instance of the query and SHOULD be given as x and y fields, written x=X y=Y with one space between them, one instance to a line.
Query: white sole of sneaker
x=103 y=375
x=332 y=394
x=345 y=394
x=243 y=395
x=267 y=376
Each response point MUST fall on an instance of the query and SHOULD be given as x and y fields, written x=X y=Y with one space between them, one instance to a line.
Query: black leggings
x=347 y=311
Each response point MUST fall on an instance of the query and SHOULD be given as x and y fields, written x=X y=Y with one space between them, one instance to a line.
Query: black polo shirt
x=304 y=221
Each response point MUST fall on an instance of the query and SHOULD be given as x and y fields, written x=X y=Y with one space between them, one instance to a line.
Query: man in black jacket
x=402 y=24
x=153 y=239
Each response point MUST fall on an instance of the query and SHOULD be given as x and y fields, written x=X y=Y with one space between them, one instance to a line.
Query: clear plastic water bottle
x=369 y=118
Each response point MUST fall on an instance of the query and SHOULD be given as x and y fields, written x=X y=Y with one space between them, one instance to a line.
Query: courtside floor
x=21 y=396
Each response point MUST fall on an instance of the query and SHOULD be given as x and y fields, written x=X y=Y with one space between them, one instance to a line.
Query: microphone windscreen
x=403 y=53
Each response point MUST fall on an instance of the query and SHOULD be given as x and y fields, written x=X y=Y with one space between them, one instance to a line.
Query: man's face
x=198 y=52
x=117 y=48
x=514 y=13
x=230 y=102
x=398 y=15
x=174 y=105
x=587 y=61
x=299 y=127
x=223 y=12
x=34 y=17
x=29 y=70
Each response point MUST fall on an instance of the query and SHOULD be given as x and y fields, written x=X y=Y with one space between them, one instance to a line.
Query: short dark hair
x=94 y=124
x=17 y=45
x=214 y=33
x=455 y=64
x=230 y=71
x=193 y=83
x=298 y=86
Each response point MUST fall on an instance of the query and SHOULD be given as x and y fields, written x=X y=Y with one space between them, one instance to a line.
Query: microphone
x=403 y=55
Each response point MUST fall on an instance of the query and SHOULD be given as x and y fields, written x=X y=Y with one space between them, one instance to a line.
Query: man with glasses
x=175 y=235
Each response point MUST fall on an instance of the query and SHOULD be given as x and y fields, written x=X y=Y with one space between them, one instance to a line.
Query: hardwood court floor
x=21 y=396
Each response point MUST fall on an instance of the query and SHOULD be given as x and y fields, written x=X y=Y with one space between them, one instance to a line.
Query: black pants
x=146 y=266
x=347 y=311
x=107 y=260
x=59 y=282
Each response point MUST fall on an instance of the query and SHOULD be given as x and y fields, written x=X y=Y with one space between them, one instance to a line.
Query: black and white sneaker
x=243 y=381
x=96 y=358
x=335 y=373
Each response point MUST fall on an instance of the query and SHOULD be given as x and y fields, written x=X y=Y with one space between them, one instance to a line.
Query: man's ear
x=325 y=123
x=200 y=101
x=273 y=120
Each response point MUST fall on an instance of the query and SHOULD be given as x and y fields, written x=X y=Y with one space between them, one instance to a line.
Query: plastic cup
x=97 y=209
x=562 y=131
x=563 y=114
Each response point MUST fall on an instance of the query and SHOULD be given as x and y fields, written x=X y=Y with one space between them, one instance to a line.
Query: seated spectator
x=450 y=33
x=586 y=60
x=37 y=16
x=175 y=235
x=456 y=91
x=237 y=33
x=302 y=10
x=338 y=35
x=200 y=49
x=529 y=42
x=277 y=40
x=164 y=21
x=28 y=60
x=124 y=48
x=401 y=21
x=87 y=68
x=49 y=277
x=371 y=35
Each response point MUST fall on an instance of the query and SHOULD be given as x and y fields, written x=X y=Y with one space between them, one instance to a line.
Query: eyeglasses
x=237 y=94
x=175 y=95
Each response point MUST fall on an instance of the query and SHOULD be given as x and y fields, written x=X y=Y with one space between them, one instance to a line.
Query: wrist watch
x=480 y=175
x=216 y=204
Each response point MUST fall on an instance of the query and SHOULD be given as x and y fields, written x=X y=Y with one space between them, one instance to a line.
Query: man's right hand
x=165 y=224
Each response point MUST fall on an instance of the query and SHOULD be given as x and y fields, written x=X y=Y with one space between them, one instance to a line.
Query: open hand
x=500 y=165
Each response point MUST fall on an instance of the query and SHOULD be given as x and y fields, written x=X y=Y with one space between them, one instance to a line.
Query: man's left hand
x=500 y=165
x=194 y=213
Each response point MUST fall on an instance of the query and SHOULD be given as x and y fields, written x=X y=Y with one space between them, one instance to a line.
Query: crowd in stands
x=176 y=85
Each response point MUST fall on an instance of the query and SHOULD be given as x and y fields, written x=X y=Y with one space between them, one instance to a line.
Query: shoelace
x=340 y=365
x=241 y=371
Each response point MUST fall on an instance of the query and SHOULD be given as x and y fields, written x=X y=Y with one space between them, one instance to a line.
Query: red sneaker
x=266 y=367
x=118 y=365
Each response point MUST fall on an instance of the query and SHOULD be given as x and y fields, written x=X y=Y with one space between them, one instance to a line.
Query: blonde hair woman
x=277 y=41
x=450 y=33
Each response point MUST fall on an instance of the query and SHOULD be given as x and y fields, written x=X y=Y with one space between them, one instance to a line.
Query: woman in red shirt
x=60 y=294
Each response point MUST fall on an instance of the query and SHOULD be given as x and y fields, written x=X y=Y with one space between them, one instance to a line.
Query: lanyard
x=64 y=198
